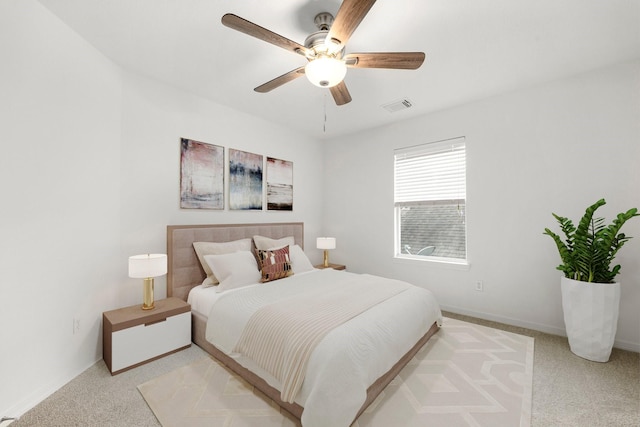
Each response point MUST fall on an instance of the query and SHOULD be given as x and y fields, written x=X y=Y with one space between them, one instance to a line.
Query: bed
x=186 y=273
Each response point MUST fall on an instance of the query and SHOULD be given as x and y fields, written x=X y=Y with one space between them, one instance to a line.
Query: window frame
x=430 y=148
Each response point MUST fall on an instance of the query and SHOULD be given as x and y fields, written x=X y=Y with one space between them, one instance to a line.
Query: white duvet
x=348 y=359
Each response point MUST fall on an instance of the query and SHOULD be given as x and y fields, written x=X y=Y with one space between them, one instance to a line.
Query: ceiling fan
x=324 y=50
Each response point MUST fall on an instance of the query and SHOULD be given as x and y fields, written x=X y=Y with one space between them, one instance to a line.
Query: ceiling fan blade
x=394 y=60
x=240 y=24
x=340 y=93
x=349 y=16
x=279 y=81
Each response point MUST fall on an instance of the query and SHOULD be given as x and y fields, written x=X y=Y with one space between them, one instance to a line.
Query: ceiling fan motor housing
x=316 y=43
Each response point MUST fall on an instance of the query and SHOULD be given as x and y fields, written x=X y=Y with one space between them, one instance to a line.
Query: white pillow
x=299 y=261
x=234 y=270
x=266 y=243
x=217 y=248
x=208 y=281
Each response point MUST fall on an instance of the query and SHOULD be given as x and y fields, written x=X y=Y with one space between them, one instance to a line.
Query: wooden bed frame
x=185 y=272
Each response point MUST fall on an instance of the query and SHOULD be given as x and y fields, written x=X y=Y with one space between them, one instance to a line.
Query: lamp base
x=326 y=258
x=147 y=294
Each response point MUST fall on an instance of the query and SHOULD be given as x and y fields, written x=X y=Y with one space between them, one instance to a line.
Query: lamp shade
x=147 y=265
x=326 y=243
x=325 y=71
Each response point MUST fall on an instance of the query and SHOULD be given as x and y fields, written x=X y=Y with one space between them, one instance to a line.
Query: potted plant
x=590 y=294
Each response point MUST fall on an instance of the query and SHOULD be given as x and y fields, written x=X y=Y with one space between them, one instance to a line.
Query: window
x=430 y=196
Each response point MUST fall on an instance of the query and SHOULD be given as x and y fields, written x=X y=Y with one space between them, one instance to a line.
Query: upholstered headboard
x=184 y=269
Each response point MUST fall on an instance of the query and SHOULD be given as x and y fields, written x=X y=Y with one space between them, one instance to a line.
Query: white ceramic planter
x=590 y=317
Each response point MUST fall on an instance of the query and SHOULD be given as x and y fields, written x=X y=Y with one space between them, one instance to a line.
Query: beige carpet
x=466 y=375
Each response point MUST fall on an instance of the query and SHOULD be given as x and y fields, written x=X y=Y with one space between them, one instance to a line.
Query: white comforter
x=348 y=360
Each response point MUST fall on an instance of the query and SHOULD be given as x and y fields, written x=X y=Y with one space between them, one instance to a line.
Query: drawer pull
x=154 y=322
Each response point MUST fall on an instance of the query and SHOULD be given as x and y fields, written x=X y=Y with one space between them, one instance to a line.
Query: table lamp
x=326 y=243
x=147 y=267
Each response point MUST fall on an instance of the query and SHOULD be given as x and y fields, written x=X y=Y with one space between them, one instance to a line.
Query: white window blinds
x=431 y=173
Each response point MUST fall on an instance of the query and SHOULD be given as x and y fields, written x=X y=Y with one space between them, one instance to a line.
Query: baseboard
x=548 y=329
x=29 y=402
x=540 y=327
x=627 y=345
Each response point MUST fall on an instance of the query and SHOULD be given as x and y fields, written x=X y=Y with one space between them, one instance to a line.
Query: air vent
x=402 y=104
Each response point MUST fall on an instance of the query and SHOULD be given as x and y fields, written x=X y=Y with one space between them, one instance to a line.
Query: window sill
x=448 y=263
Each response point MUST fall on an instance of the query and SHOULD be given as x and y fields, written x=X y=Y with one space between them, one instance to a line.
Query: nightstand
x=334 y=266
x=132 y=336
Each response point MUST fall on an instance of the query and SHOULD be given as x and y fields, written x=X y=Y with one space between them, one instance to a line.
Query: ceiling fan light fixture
x=325 y=71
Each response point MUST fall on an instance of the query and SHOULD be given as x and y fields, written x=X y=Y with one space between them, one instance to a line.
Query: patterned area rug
x=466 y=375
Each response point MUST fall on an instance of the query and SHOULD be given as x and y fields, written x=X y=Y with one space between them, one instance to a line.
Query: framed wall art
x=201 y=175
x=245 y=180
x=279 y=185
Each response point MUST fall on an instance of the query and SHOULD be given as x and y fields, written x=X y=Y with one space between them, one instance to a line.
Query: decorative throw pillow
x=275 y=264
x=218 y=248
x=265 y=243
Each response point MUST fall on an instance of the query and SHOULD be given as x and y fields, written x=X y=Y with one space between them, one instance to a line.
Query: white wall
x=60 y=135
x=89 y=176
x=558 y=147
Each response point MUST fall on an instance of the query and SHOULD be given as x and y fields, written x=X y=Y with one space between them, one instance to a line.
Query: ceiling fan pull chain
x=324 y=125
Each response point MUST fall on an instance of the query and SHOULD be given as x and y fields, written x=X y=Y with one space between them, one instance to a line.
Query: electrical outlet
x=479 y=286
x=76 y=325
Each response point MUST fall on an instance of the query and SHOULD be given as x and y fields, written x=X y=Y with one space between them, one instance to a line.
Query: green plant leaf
x=589 y=248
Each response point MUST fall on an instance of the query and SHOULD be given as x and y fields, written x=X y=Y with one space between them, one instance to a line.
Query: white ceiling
x=474 y=49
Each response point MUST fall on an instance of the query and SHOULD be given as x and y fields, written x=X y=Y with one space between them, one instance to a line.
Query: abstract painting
x=245 y=180
x=279 y=185
x=201 y=175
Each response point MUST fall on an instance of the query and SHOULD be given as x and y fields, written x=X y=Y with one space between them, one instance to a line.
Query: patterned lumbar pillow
x=275 y=264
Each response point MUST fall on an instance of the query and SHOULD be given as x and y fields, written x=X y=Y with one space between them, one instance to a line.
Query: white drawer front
x=140 y=343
